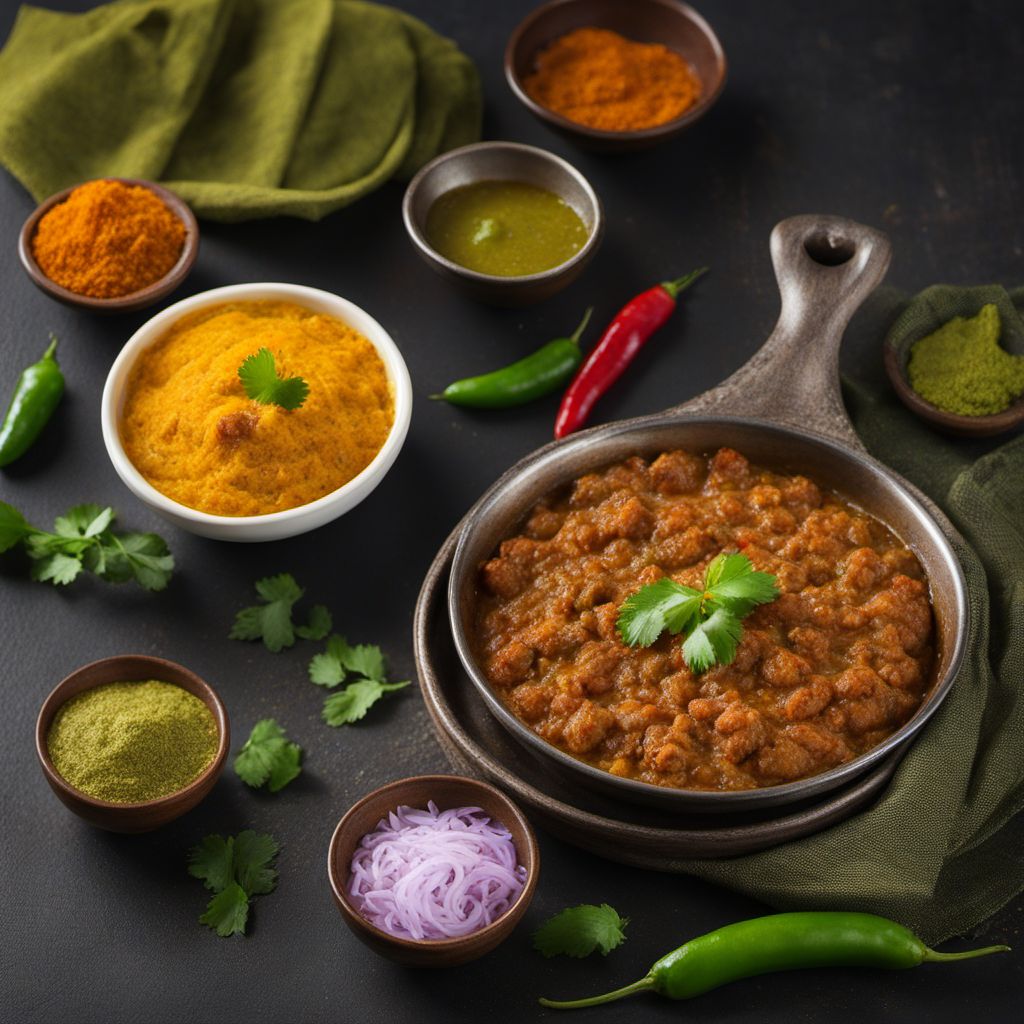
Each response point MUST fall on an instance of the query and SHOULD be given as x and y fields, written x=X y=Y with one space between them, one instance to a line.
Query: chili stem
x=680 y=284
x=575 y=336
x=620 y=993
x=49 y=353
x=931 y=956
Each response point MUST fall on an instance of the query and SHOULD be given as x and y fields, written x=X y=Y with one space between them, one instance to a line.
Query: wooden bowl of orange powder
x=113 y=245
x=615 y=76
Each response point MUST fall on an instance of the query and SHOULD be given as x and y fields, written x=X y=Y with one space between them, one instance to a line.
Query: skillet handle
x=826 y=267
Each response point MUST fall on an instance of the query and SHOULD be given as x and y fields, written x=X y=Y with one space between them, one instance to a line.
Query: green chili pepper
x=36 y=395
x=539 y=374
x=780 y=942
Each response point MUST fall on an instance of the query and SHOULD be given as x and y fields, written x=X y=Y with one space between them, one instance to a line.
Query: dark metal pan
x=783 y=410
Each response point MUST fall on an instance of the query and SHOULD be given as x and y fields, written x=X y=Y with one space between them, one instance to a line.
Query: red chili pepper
x=621 y=341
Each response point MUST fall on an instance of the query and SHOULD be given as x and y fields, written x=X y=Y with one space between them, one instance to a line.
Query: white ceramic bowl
x=273 y=525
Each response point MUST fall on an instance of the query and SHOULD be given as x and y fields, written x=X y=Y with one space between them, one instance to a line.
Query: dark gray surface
x=905 y=116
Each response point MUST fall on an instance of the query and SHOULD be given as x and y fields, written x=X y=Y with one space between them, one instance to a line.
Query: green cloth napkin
x=938 y=852
x=245 y=108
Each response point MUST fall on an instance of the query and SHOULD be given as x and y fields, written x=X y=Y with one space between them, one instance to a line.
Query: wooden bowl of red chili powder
x=614 y=76
x=114 y=245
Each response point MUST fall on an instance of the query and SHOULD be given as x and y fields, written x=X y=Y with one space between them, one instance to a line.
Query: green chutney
x=128 y=743
x=505 y=228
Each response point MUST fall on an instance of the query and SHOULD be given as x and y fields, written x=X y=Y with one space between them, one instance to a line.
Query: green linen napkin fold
x=245 y=108
x=939 y=851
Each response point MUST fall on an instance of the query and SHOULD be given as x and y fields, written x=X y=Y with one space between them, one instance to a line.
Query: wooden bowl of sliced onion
x=434 y=870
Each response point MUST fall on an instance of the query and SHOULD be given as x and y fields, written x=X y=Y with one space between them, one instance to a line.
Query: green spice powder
x=130 y=742
x=961 y=368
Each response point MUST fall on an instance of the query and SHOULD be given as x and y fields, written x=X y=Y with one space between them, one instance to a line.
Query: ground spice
x=131 y=742
x=961 y=368
x=600 y=79
x=108 y=239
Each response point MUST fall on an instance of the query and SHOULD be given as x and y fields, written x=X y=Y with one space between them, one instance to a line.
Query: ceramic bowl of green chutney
x=507 y=223
x=132 y=742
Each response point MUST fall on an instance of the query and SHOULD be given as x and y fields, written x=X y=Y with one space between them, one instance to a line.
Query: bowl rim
x=339 y=888
x=342 y=309
x=419 y=239
x=57 y=698
x=132 y=300
x=704 y=102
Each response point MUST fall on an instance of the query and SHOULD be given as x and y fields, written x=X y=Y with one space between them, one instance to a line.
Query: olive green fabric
x=938 y=851
x=245 y=108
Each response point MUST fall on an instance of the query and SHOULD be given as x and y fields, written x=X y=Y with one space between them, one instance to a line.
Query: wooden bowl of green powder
x=129 y=743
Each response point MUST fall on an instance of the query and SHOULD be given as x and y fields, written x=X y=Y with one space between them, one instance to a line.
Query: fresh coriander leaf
x=228 y=911
x=58 y=568
x=328 y=668
x=352 y=703
x=366 y=660
x=286 y=768
x=319 y=624
x=140 y=556
x=733 y=584
x=662 y=605
x=258 y=374
x=14 y=527
x=271 y=622
x=713 y=640
x=253 y=857
x=83 y=521
x=578 y=931
x=213 y=862
x=268 y=756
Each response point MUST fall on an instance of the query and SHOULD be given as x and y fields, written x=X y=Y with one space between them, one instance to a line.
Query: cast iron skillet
x=783 y=410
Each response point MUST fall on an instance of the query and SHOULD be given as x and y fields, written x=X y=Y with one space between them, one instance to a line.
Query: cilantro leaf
x=83 y=540
x=319 y=624
x=258 y=374
x=58 y=568
x=228 y=911
x=710 y=619
x=330 y=667
x=270 y=622
x=713 y=640
x=352 y=703
x=235 y=869
x=253 y=857
x=268 y=757
x=645 y=615
x=733 y=584
x=212 y=861
x=14 y=526
x=578 y=931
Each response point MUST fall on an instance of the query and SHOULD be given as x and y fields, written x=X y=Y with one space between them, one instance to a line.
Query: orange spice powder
x=600 y=79
x=108 y=239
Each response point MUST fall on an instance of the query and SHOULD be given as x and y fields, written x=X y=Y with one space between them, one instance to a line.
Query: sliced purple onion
x=429 y=874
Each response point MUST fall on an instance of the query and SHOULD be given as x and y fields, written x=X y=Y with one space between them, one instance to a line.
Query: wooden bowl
x=947 y=422
x=676 y=25
x=151 y=814
x=446 y=791
x=123 y=303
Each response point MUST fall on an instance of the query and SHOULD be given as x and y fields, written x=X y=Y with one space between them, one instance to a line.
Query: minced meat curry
x=822 y=674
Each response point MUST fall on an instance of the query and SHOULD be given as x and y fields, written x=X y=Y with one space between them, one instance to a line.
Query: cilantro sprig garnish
x=340 y=661
x=710 y=618
x=578 y=931
x=268 y=757
x=272 y=623
x=82 y=540
x=259 y=377
x=234 y=869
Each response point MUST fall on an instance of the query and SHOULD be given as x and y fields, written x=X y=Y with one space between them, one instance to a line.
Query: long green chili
x=539 y=374
x=780 y=942
x=36 y=395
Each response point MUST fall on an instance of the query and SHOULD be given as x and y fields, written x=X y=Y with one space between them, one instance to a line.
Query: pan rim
x=710 y=801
